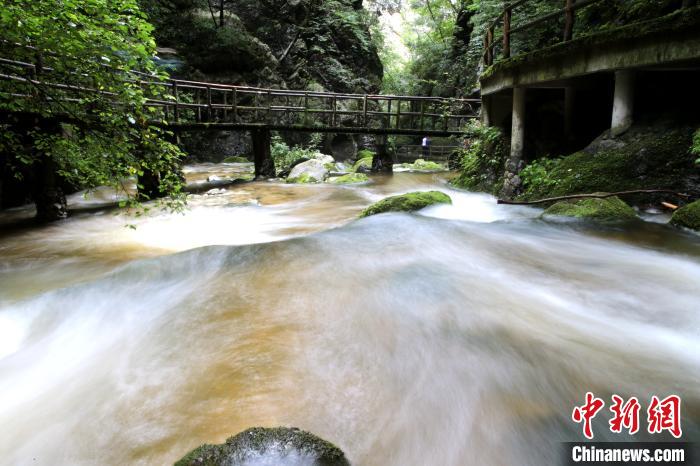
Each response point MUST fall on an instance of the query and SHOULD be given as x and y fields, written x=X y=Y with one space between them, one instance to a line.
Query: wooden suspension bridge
x=186 y=106
x=192 y=105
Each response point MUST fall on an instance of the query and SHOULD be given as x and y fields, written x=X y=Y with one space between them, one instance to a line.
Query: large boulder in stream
x=688 y=216
x=315 y=170
x=606 y=209
x=363 y=162
x=408 y=202
x=279 y=446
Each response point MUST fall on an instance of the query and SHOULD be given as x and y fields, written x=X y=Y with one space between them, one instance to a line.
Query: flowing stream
x=462 y=334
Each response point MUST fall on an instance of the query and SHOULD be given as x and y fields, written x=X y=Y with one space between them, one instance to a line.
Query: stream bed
x=462 y=334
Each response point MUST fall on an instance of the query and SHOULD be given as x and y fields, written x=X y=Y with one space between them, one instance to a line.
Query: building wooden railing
x=193 y=104
x=505 y=22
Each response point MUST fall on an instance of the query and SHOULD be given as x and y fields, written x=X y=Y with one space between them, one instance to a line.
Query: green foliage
x=538 y=173
x=109 y=137
x=408 y=202
x=286 y=157
x=695 y=148
x=483 y=161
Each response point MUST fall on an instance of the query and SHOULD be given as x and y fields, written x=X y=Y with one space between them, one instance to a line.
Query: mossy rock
x=311 y=171
x=304 y=178
x=350 y=178
x=272 y=444
x=364 y=153
x=607 y=209
x=365 y=162
x=421 y=165
x=688 y=216
x=236 y=159
x=408 y=202
x=657 y=156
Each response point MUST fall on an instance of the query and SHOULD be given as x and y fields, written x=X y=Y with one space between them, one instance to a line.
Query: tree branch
x=593 y=196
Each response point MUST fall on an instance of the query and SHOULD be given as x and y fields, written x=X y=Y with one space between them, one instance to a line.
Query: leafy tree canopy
x=105 y=135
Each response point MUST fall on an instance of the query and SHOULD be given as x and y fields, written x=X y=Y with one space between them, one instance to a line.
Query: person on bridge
x=426 y=147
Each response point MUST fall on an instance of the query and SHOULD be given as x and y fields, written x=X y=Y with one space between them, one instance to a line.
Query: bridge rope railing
x=499 y=33
x=178 y=102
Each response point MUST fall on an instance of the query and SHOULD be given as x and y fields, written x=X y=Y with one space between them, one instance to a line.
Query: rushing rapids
x=465 y=331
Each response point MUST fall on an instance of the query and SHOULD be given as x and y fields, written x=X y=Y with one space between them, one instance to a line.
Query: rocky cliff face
x=320 y=45
x=301 y=44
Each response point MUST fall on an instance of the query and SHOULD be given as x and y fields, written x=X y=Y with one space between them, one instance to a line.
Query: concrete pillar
x=48 y=195
x=623 y=103
x=264 y=165
x=486 y=111
x=382 y=160
x=517 y=141
x=569 y=105
x=512 y=182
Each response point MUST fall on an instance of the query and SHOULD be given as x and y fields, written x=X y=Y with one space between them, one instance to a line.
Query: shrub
x=285 y=157
x=539 y=173
x=483 y=161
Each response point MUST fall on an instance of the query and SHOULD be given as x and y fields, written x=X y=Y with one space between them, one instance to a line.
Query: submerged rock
x=408 y=202
x=350 y=178
x=610 y=208
x=688 y=216
x=215 y=192
x=236 y=160
x=279 y=446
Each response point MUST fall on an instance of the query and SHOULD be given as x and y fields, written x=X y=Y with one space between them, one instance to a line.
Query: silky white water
x=462 y=334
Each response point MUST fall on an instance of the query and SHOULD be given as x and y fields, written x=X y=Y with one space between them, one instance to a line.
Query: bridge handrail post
x=446 y=118
x=489 y=50
x=388 y=113
x=306 y=108
x=422 y=115
x=209 y=106
x=269 y=106
x=364 y=111
x=335 y=109
x=235 y=105
x=199 y=107
x=398 y=114
x=177 y=102
x=507 y=15
x=570 y=18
